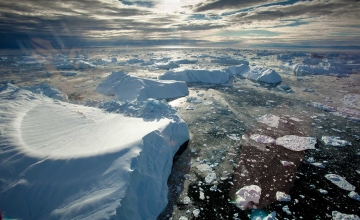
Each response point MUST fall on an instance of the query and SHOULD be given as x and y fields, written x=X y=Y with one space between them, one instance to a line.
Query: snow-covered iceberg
x=325 y=69
x=264 y=75
x=197 y=75
x=125 y=87
x=66 y=161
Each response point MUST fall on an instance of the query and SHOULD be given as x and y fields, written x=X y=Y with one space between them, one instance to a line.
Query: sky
x=180 y=23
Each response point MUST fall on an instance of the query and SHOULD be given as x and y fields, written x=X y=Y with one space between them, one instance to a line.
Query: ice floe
x=76 y=162
x=341 y=216
x=197 y=75
x=269 y=120
x=282 y=197
x=354 y=195
x=262 y=139
x=340 y=182
x=246 y=196
x=334 y=141
x=125 y=87
x=296 y=143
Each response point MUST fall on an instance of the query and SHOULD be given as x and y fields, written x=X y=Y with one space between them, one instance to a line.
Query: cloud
x=230 y=4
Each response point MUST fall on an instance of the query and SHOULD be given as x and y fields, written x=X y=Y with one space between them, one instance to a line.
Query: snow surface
x=47 y=90
x=197 y=75
x=248 y=194
x=125 y=87
x=296 y=143
x=65 y=161
x=340 y=182
x=334 y=141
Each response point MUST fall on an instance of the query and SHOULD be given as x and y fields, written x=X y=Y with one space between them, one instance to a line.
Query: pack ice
x=66 y=161
x=125 y=87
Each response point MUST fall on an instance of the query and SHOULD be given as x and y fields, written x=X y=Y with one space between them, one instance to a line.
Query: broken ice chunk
x=234 y=137
x=202 y=196
x=321 y=106
x=334 y=141
x=247 y=195
x=186 y=200
x=196 y=213
x=282 y=197
x=320 y=165
x=262 y=139
x=323 y=191
x=210 y=178
x=270 y=120
x=354 y=195
x=190 y=107
x=340 y=182
x=341 y=216
x=286 y=163
x=286 y=210
x=296 y=143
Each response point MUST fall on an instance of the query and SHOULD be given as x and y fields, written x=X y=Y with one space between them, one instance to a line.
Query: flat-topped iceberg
x=66 y=161
x=125 y=87
x=197 y=75
x=325 y=69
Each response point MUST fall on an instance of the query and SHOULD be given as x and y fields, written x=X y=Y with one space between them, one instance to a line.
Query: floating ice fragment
x=183 y=218
x=202 y=196
x=282 y=197
x=286 y=163
x=295 y=119
x=310 y=160
x=334 y=141
x=270 y=120
x=320 y=165
x=271 y=216
x=341 y=216
x=262 y=139
x=296 y=143
x=186 y=200
x=323 y=191
x=354 y=195
x=210 y=178
x=197 y=75
x=196 y=213
x=234 y=137
x=286 y=210
x=340 y=182
x=248 y=194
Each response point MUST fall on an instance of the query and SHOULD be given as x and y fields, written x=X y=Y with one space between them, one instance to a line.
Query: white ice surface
x=341 y=216
x=269 y=120
x=262 y=139
x=296 y=143
x=125 y=87
x=283 y=197
x=264 y=75
x=64 y=161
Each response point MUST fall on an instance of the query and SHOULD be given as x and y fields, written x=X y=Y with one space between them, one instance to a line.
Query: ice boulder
x=247 y=196
x=263 y=75
x=125 y=87
x=296 y=143
x=197 y=75
x=66 y=161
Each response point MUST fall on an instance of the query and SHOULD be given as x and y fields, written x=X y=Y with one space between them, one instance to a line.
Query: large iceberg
x=125 y=87
x=264 y=75
x=197 y=75
x=66 y=161
x=325 y=69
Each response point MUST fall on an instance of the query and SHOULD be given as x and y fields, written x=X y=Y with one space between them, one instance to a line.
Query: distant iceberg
x=125 y=87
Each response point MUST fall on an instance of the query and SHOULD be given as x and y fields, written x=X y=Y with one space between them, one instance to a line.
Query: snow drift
x=125 y=87
x=65 y=161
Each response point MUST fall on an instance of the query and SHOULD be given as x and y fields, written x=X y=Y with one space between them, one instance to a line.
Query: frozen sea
x=300 y=136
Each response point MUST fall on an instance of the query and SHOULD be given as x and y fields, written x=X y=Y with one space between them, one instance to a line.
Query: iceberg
x=264 y=75
x=66 y=161
x=247 y=196
x=296 y=143
x=197 y=75
x=125 y=87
